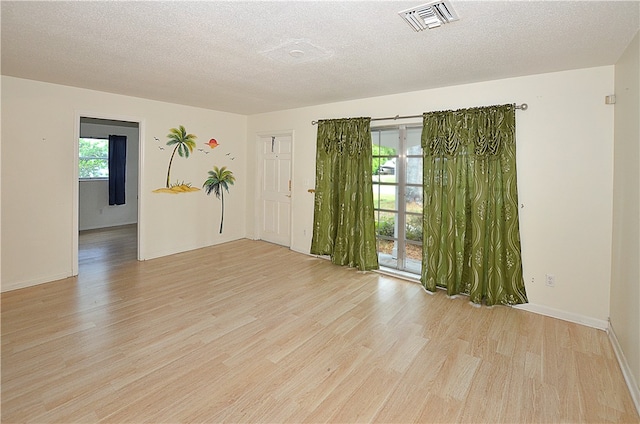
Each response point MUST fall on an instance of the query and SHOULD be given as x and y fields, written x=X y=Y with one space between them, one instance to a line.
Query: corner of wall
x=632 y=384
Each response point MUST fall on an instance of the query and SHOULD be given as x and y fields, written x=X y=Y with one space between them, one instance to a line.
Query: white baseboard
x=304 y=252
x=566 y=316
x=103 y=226
x=298 y=250
x=32 y=282
x=154 y=254
x=632 y=384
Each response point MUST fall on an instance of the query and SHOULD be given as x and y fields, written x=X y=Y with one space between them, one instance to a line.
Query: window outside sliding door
x=397 y=195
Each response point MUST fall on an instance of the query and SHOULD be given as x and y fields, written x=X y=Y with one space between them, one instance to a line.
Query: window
x=93 y=158
x=397 y=196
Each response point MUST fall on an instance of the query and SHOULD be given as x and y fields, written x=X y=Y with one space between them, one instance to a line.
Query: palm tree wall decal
x=184 y=145
x=219 y=180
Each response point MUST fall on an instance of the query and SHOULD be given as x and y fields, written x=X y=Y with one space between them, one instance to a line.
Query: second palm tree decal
x=218 y=182
x=184 y=145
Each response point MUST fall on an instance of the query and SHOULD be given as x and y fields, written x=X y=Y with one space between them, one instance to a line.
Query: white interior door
x=276 y=189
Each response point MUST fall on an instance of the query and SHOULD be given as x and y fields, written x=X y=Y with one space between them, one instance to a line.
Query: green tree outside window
x=93 y=158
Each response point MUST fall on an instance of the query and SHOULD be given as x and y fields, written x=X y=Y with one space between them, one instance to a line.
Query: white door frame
x=258 y=216
x=76 y=190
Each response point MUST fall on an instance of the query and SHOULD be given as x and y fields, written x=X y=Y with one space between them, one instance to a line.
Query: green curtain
x=343 y=219
x=471 y=242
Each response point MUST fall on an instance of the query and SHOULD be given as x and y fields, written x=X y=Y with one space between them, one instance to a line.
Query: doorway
x=116 y=225
x=275 y=196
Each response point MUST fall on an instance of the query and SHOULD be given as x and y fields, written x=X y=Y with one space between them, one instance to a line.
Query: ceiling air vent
x=430 y=15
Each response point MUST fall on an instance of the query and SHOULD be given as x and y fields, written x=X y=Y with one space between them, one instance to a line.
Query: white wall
x=565 y=159
x=94 y=210
x=564 y=154
x=625 y=275
x=38 y=131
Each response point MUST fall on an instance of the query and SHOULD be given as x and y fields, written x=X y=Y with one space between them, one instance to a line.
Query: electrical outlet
x=550 y=280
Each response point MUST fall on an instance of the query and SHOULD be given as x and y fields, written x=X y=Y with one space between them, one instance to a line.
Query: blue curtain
x=117 y=168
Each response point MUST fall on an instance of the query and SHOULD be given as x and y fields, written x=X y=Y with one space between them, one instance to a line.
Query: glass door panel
x=413 y=199
x=387 y=237
x=413 y=228
x=397 y=193
x=414 y=170
x=413 y=261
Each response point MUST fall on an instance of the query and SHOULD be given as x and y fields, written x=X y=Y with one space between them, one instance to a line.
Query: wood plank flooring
x=107 y=248
x=252 y=332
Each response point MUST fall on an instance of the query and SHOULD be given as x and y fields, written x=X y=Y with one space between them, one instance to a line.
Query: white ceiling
x=212 y=54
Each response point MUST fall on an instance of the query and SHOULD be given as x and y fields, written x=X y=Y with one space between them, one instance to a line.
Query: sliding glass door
x=397 y=194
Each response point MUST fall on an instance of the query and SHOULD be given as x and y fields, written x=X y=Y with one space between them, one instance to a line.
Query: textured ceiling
x=235 y=56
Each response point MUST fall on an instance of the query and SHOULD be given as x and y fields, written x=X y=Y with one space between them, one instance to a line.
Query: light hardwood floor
x=252 y=332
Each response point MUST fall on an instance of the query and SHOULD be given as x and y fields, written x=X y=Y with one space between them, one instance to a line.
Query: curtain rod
x=523 y=106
